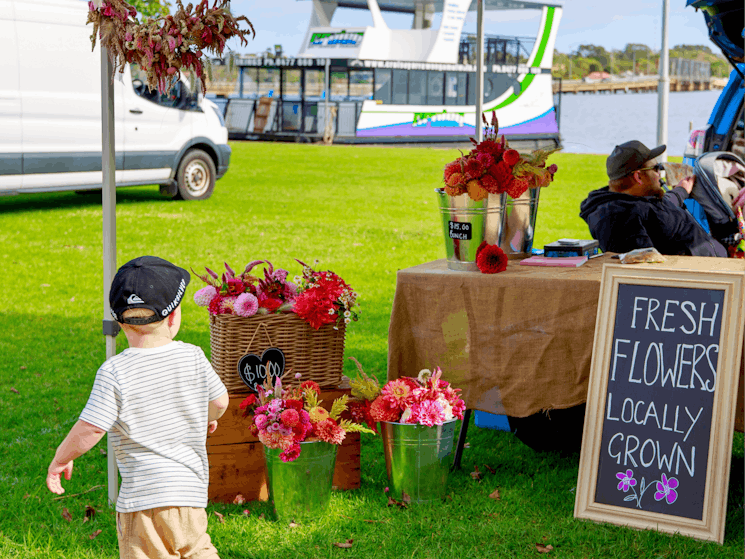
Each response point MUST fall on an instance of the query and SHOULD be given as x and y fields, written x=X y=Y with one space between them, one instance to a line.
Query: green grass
x=365 y=213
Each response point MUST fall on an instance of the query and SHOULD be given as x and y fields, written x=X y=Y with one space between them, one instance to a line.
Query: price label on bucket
x=460 y=231
x=253 y=369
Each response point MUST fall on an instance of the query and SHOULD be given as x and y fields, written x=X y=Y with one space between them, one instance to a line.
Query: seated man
x=634 y=211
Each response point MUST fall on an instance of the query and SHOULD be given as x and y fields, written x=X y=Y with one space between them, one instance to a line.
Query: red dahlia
x=490 y=259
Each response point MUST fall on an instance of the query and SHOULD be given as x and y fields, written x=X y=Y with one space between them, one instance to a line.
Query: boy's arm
x=82 y=437
x=217 y=407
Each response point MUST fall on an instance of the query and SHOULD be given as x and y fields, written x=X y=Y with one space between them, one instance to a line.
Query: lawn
x=364 y=212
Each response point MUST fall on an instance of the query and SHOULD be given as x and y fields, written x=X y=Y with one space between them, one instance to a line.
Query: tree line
x=635 y=58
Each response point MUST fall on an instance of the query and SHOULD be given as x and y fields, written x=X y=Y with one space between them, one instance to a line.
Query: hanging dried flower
x=164 y=46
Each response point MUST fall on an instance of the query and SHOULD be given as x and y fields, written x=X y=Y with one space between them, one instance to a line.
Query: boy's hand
x=54 y=482
x=212 y=426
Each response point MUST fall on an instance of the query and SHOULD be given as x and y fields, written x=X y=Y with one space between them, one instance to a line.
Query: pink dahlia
x=290 y=454
x=246 y=304
x=330 y=432
x=430 y=413
x=204 y=296
x=382 y=410
x=276 y=439
x=290 y=418
x=261 y=421
x=398 y=392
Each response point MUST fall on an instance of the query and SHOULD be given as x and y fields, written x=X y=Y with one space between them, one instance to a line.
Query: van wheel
x=196 y=176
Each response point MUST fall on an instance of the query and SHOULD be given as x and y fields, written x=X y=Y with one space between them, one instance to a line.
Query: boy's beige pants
x=164 y=533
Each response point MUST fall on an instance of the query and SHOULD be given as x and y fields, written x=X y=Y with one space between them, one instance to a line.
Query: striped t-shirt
x=154 y=402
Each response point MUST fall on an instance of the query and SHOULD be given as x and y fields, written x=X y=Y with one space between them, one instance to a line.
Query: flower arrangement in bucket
x=417 y=417
x=317 y=297
x=164 y=46
x=493 y=168
x=423 y=400
x=285 y=416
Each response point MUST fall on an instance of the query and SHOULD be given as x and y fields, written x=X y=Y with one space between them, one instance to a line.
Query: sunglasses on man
x=658 y=168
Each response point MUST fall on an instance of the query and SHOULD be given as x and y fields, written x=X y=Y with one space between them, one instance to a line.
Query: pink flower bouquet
x=285 y=417
x=424 y=400
x=317 y=297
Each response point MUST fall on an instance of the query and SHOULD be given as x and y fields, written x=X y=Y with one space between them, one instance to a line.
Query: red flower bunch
x=425 y=400
x=163 y=46
x=285 y=417
x=324 y=298
x=493 y=168
x=490 y=259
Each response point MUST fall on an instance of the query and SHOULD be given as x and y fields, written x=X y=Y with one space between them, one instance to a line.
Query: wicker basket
x=316 y=354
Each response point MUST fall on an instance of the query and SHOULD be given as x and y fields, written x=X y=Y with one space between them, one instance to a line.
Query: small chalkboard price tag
x=657 y=441
x=460 y=231
x=253 y=369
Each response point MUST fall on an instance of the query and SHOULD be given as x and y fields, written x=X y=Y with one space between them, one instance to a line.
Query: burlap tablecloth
x=517 y=343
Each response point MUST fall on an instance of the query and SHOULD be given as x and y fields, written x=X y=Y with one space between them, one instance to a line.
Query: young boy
x=157 y=400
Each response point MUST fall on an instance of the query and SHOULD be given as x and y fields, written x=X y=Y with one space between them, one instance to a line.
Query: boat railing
x=266 y=115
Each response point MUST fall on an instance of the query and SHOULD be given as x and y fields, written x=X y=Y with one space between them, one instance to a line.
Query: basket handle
x=266 y=330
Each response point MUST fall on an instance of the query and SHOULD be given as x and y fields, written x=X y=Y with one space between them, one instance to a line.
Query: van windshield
x=178 y=96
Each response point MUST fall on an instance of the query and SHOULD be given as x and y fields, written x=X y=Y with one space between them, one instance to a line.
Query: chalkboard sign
x=460 y=231
x=253 y=369
x=660 y=408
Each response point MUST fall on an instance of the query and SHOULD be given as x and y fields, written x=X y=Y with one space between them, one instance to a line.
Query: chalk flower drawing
x=627 y=480
x=665 y=488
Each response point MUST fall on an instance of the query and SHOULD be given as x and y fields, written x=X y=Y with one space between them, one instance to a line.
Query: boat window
x=360 y=85
x=451 y=88
x=435 y=87
x=292 y=84
x=383 y=86
x=472 y=88
x=417 y=87
x=250 y=82
x=400 y=87
x=315 y=85
x=339 y=86
x=462 y=83
x=268 y=82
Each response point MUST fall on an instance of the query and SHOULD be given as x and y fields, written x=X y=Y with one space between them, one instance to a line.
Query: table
x=517 y=343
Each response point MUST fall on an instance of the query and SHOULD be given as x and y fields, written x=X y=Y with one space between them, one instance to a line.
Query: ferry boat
x=382 y=85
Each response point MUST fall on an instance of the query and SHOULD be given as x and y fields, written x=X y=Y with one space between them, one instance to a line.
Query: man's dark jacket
x=622 y=222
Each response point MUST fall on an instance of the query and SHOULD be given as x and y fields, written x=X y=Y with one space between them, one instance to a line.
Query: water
x=597 y=122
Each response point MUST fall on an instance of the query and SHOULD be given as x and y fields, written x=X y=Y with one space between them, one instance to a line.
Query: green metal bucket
x=301 y=489
x=418 y=459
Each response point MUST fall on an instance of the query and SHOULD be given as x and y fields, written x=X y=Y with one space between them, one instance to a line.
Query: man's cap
x=147 y=282
x=627 y=158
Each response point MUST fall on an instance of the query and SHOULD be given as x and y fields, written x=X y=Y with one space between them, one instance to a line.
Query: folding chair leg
x=461 y=440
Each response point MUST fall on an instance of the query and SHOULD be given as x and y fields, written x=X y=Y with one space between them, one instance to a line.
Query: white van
x=50 y=113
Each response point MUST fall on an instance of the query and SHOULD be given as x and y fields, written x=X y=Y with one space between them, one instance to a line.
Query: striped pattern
x=153 y=402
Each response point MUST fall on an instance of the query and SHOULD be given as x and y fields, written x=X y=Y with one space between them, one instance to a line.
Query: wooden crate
x=236 y=458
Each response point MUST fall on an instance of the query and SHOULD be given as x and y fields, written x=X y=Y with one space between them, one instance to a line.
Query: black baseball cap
x=147 y=282
x=627 y=158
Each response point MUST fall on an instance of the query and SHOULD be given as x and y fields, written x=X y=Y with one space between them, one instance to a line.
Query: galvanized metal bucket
x=301 y=489
x=497 y=219
x=418 y=459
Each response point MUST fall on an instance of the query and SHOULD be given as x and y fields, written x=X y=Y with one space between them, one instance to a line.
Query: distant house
x=597 y=76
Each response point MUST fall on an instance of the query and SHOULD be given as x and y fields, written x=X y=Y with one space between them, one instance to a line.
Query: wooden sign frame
x=687 y=272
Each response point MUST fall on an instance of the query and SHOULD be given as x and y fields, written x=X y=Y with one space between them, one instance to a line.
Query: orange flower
x=476 y=191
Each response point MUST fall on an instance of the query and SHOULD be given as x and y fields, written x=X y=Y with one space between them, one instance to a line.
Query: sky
x=607 y=23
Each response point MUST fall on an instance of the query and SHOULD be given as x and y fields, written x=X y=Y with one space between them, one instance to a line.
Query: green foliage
x=351 y=427
x=151 y=8
x=339 y=406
